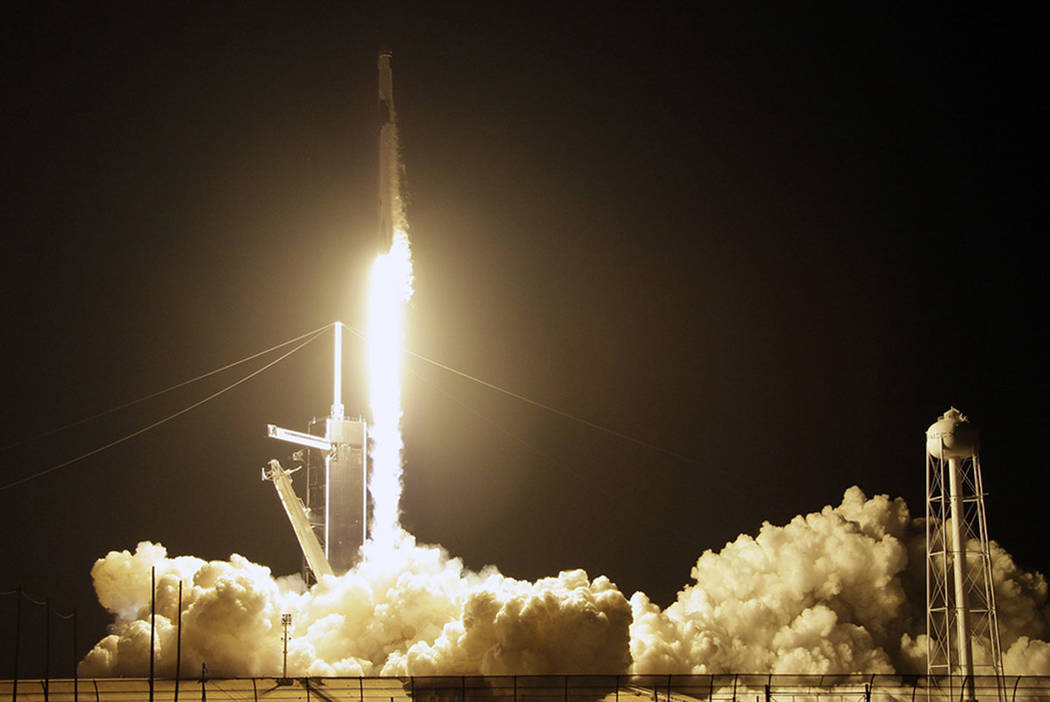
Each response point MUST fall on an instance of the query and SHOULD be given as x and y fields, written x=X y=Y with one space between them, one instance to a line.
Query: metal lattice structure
x=961 y=622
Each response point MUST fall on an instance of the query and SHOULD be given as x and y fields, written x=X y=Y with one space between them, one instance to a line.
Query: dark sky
x=780 y=242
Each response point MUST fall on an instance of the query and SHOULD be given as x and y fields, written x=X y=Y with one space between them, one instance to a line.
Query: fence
x=534 y=688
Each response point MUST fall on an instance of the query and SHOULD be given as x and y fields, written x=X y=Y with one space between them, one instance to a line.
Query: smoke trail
x=835 y=591
x=389 y=289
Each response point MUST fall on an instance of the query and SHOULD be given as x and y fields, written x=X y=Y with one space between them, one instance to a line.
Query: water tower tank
x=951 y=436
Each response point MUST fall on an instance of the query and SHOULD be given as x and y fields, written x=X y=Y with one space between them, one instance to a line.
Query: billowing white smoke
x=836 y=591
x=413 y=611
x=818 y=594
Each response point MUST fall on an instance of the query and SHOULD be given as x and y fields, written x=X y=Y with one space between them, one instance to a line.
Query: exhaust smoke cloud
x=835 y=591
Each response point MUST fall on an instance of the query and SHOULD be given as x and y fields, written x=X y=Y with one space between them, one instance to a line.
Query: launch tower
x=331 y=526
x=960 y=597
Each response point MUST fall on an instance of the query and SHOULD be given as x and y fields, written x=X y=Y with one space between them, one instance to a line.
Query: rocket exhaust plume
x=389 y=289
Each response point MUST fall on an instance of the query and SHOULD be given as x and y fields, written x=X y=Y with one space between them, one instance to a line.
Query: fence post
x=47 y=649
x=18 y=637
x=76 y=678
x=152 y=623
x=178 y=646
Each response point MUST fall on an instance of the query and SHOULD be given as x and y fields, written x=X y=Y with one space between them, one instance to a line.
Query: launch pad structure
x=332 y=525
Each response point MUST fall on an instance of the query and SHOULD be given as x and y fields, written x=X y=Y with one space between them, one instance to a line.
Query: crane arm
x=293 y=507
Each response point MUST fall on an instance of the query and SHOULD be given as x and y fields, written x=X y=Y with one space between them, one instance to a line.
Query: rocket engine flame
x=390 y=289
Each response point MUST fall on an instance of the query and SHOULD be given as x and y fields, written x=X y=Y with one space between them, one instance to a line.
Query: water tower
x=960 y=597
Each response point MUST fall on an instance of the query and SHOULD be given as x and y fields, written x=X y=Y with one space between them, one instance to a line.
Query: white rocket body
x=390 y=206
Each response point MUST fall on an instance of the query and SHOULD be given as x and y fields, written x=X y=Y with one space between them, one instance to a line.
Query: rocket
x=390 y=205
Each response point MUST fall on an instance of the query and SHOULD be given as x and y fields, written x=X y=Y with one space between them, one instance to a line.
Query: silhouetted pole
x=47 y=648
x=76 y=680
x=204 y=677
x=178 y=646
x=152 y=624
x=286 y=619
x=18 y=638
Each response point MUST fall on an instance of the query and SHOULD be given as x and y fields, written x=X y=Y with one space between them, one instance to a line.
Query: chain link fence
x=536 y=688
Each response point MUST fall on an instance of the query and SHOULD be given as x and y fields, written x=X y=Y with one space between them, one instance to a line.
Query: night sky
x=775 y=243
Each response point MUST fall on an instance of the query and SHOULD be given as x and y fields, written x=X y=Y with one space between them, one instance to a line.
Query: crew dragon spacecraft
x=332 y=524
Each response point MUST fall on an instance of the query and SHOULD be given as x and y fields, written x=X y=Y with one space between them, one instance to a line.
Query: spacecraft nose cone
x=951 y=436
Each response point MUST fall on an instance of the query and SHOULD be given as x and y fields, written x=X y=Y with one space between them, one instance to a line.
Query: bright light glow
x=390 y=288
